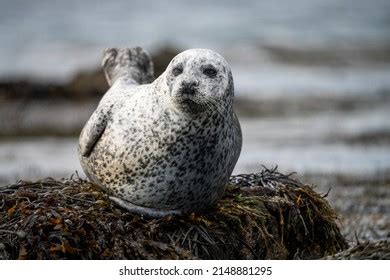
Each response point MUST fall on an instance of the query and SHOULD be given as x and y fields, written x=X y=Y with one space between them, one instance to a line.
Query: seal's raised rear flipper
x=134 y=64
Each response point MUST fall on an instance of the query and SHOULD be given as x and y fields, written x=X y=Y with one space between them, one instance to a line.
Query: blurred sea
x=52 y=39
x=306 y=57
x=312 y=81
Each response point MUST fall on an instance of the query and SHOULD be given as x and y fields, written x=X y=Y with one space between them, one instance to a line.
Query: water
x=53 y=39
x=290 y=58
x=319 y=144
x=33 y=159
x=323 y=144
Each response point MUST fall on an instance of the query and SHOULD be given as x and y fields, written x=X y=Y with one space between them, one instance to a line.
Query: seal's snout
x=189 y=88
x=187 y=97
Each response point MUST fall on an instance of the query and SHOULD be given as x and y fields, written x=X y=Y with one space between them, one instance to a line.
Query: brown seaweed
x=266 y=215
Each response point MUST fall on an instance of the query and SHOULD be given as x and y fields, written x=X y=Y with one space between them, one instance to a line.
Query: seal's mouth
x=187 y=101
x=189 y=104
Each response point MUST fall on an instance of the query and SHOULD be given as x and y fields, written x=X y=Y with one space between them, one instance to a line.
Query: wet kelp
x=266 y=215
x=374 y=250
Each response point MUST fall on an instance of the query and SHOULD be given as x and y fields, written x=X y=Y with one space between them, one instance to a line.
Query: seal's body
x=167 y=147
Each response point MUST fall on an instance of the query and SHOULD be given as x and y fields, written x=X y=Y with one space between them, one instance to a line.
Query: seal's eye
x=210 y=71
x=177 y=71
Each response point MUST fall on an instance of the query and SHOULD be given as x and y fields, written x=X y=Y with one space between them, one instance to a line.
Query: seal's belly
x=165 y=168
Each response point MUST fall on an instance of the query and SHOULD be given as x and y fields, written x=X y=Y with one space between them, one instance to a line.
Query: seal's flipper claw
x=144 y=211
x=134 y=64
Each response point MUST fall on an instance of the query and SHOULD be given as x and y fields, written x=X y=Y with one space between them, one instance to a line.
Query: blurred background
x=312 y=82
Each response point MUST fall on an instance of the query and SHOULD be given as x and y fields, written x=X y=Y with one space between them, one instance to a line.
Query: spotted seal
x=166 y=146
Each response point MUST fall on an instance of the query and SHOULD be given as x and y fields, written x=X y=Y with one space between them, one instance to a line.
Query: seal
x=166 y=146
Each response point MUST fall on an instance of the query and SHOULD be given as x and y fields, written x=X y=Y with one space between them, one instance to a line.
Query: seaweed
x=266 y=215
x=373 y=250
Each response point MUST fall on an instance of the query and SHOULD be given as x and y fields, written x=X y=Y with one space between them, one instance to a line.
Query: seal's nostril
x=193 y=84
x=189 y=88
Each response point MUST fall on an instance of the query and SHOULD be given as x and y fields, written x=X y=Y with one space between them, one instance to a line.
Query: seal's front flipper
x=92 y=131
x=144 y=211
x=133 y=64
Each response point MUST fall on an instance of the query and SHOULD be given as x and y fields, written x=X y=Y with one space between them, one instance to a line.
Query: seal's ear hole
x=109 y=56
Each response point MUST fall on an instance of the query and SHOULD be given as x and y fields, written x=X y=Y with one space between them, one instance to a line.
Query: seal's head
x=198 y=80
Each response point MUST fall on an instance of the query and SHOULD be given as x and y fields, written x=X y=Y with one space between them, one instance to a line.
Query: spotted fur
x=167 y=147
